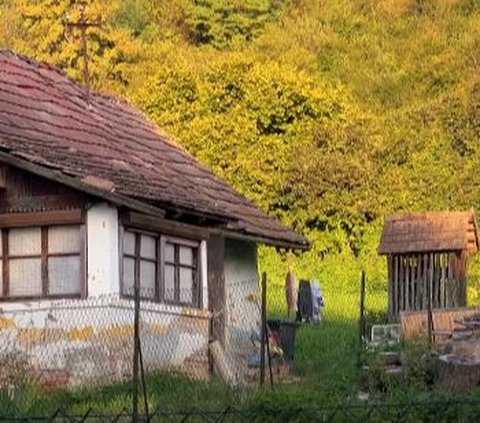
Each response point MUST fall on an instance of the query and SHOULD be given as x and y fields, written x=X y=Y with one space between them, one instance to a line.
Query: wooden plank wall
x=21 y=191
x=409 y=274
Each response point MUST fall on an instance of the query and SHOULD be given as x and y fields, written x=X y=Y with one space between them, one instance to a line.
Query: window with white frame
x=166 y=268
x=41 y=262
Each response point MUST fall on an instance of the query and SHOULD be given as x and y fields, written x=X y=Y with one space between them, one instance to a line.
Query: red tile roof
x=111 y=147
x=429 y=232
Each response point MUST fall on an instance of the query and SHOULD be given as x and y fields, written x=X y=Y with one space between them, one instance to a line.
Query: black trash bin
x=285 y=331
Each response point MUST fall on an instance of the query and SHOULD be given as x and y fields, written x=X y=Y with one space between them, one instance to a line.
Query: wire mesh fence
x=445 y=411
x=90 y=344
x=123 y=357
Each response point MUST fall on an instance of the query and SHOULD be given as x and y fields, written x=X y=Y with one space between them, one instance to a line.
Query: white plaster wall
x=102 y=250
x=89 y=342
x=242 y=303
x=240 y=261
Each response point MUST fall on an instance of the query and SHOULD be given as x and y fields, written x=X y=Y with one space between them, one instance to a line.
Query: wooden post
x=361 y=325
x=136 y=345
x=264 y=328
x=144 y=385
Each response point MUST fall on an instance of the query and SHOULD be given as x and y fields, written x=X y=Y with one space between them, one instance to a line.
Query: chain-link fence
x=121 y=356
x=414 y=411
x=95 y=343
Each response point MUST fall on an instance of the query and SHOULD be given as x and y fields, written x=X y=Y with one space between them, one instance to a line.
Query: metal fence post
x=361 y=323
x=429 y=283
x=264 y=328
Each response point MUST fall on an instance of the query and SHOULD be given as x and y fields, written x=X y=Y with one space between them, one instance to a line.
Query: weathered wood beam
x=165 y=226
x=53 y=217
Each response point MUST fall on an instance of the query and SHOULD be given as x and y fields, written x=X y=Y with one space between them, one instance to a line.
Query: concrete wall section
x=89 y=342
x=102 y=250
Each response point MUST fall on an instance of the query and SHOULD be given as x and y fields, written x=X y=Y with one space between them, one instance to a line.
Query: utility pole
x=83 y=26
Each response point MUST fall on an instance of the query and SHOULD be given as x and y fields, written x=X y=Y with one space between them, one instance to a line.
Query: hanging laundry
x=310 y=301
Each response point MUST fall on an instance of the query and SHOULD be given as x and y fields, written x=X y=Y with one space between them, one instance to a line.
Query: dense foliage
x=329 y=114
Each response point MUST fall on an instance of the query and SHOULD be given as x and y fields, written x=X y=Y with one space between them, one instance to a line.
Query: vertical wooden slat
x=451 y=284
x=395 y=285
x=442 y=281
x=407 y=283
x=401 y=283
x=398 y=298
x=448 y=302
x=418 y=283
x=440 y=274
x=438 y=292
x=458 y=279
x=433 y=265
x=390 y=285
x=413 y=269
x=5 y=269
x=434 y=281
x=425 y=281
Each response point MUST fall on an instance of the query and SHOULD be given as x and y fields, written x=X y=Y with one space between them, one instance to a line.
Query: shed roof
x=429 y=232
x=112 y=150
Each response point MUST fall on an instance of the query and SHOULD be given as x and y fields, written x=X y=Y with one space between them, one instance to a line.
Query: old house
x=94 y=197
x=428 y=256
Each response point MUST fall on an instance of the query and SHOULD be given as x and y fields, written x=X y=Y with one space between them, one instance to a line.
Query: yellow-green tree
x=40 y=29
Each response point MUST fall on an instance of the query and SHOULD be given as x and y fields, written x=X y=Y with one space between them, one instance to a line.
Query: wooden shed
x=428 y=253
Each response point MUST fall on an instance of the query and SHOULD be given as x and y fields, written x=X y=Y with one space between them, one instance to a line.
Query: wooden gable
x=21 y=191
